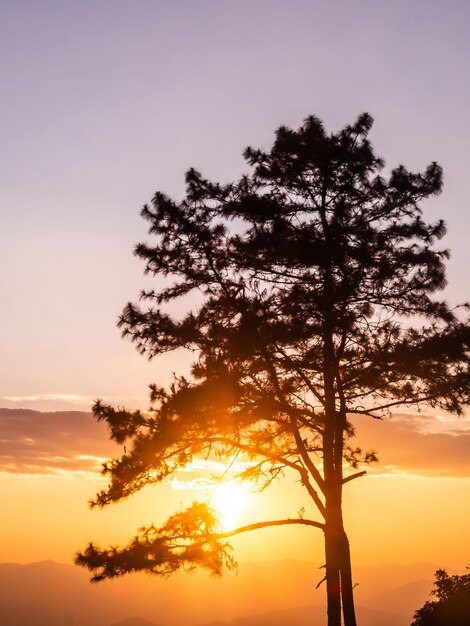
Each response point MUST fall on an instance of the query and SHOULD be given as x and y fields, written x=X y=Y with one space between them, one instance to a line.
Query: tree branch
x=305 y=379
x=354 y=476
x=257 y=452
x=411 y=401
x=298 y=439
x=258 y=525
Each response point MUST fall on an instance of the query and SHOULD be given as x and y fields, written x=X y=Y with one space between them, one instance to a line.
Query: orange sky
x=412 y=507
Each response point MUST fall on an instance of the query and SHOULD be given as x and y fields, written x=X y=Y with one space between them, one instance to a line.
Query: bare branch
x=354 y=476
x=258 y=525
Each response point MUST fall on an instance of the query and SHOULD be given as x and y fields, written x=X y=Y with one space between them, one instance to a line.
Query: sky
x=103 y=103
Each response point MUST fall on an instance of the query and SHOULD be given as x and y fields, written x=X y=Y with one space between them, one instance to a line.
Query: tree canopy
x=452 y=607
x=309 y=295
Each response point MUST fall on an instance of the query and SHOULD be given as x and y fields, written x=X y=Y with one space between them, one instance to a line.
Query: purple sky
x=105 y=102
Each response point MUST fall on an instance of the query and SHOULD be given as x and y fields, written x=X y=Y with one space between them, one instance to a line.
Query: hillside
x=278 y=593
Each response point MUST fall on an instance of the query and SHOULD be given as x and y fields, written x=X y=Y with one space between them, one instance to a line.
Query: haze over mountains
x=279 y=593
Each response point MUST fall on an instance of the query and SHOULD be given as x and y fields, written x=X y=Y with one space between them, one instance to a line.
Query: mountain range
x=279 y=593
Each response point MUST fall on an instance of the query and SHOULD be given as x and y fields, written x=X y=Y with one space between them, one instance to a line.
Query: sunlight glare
x=229 y=500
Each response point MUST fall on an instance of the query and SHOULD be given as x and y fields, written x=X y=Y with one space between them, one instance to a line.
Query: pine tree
x=316 y=281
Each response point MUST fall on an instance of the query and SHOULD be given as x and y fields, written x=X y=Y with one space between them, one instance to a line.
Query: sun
x=229 y=500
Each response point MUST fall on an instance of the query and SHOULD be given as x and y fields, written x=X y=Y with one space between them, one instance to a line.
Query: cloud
x=203 y=474
x=60 y=442
x=66 y=397
x=35 y=442
x=193 y=484
x=48 y=401
x=430 y=445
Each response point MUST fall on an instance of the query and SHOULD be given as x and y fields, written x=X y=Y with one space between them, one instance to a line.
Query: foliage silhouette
x=452 y=607
x=315 y=281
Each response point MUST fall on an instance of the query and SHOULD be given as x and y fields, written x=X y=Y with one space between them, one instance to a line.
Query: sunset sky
x=104 y=102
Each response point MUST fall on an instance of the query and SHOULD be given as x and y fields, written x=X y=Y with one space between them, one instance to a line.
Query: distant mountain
x=134 y=621
x=411 y=596
x=307 y=616
x=300 y=616
x=53 y=594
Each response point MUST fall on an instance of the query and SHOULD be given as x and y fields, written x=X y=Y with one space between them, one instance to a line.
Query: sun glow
x=229 y=500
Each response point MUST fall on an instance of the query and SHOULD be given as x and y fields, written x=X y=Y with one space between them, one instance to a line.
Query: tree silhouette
x=314 y=280
x=453 y=605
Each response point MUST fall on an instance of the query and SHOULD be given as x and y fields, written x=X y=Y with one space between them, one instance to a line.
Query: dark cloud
x=419 y=444
x=35 y=442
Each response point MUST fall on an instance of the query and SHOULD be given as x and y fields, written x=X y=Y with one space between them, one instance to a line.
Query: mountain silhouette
x=273 y=593
x=134 y=621
x=308 y=616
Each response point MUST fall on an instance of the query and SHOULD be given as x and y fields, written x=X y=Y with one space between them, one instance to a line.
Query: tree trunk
x=347 y=598
x=339 y=586
x=333 y=579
